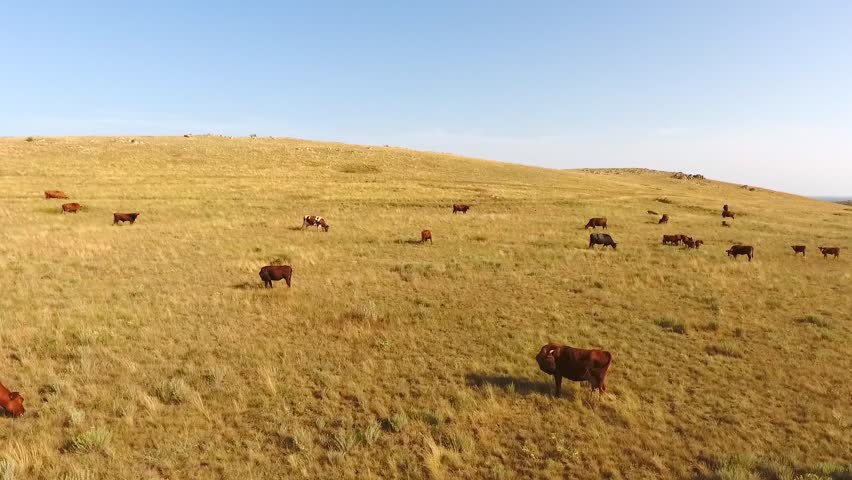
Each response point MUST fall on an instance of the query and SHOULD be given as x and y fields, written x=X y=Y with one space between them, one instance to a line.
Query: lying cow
x=71 y=207
x=124 y=217
x=797 y=249
x=460 y=207
x=426 y=235
x=314 y=221
x=11 y=402
x=736 y=250
x=272 y=273
x=596 y=222
x=664 y=219
x=574 y=364
x=826 y=251
x=54 y=194
x=601 y=239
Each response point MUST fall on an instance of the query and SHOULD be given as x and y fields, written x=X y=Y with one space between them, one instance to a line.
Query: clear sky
x=753 y=92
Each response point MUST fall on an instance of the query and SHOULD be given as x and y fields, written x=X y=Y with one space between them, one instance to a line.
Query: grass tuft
x=815 y=320
x=94 y=440
x=672 y=325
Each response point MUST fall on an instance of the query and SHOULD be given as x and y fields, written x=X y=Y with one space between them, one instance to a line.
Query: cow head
x=325 y=226
x=134 y=215
x=730 y=251
x=15 y=406
x=546 y=358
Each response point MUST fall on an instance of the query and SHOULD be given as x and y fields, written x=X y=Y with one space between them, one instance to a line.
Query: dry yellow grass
x=151 y=351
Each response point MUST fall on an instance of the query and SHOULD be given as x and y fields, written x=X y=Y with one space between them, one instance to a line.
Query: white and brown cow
x=314 y=221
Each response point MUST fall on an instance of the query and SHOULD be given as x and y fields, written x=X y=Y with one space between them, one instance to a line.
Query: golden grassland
x=152 y=351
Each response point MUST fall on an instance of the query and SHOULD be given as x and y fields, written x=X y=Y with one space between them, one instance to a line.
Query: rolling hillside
x=152 y=350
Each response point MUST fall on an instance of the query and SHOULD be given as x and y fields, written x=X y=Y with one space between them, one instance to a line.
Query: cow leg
x=558 y=380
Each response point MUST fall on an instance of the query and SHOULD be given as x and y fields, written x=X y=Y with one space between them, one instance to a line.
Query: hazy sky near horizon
x=756 y=92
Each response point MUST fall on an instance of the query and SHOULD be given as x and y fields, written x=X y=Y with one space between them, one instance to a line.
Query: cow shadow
x=508 y=383
x=246 y=285
x=295 y=229
x=409 y=241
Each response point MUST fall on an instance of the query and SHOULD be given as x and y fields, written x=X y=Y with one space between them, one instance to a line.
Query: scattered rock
x=687 y=176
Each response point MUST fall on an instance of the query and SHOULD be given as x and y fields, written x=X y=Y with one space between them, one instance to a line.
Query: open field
x=152 y=351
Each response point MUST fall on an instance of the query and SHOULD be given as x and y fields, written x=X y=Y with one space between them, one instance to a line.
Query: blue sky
x=750 y=92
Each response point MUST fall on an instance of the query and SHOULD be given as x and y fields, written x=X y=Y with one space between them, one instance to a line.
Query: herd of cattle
x=560 y=361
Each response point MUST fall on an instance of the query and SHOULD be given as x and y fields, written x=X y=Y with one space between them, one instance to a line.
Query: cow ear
x=14 y=395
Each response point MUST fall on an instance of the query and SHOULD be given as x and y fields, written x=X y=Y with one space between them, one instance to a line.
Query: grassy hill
x=151 y=351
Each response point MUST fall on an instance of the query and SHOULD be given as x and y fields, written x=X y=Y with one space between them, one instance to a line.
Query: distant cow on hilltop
x=596 y=222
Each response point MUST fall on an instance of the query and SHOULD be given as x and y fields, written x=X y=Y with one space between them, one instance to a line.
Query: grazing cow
x=797 y=249
x=596 y=222
x=11 y=402
x=741 y=250
x=314 y=221
x=601 y=239
x=826 y=251
x=71 y=207
x=672 y=239
x=124 y=217
x=693 y=243
x=426 y=235
x=54 y=194
x=653 y=212
x=574 y=364
x=272 y=273
x=664 y=219
x=460 y=207
x=727 y=214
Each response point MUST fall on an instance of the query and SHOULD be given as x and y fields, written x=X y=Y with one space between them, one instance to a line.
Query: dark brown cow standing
x=426 y=235
x=54 y=194
x=124 y=217
x=460 y=207
x=736 y=250
x=271 y=273
x=574 y=364
x=797 y=249
x=11 y=402
x=601 y=239
x=672 y=239
x=596 y=222
x=826 y=251
x=693 y=243
x=727 y=214
x=71 y=207
x=664 y=219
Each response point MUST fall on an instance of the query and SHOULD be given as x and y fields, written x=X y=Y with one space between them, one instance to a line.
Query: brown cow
x=826 y=251
x=574 y=364
x=11 y=402
x=664 y=219
x=797 y=249
x=460 y=207
x=596 y=222
x=314 y=221
x=54 y=194
x=124 y=217
x=727 y=214
x=276 y=272
x=71 y=207
x=693 y=243
x=672 y=239
x=426 y=235
x=741 y=250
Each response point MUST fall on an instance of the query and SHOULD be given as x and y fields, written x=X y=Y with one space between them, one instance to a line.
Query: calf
x=664 y=219
x=826 y=251
x=460 y=207
x=71 y=207
x=741 y=250
x=54 y=194
x=596 y=222
x=272 y=273
x=693 y=243
x=426 y=235
x=124 y=217
x=11 y=402
x=601 y=239
x=574 y=364
x=314 y=221
x=797 y=249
